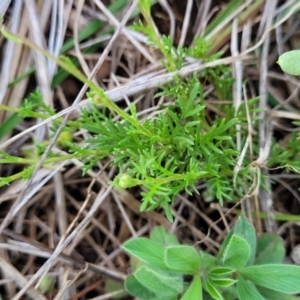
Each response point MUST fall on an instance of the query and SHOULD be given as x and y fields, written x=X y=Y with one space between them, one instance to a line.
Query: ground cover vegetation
x=196 y=130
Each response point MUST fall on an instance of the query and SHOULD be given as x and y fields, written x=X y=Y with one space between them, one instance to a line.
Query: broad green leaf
x=184 y=259
x=282 y=278
x=135 y=288
x=158 y=283
x=243 y=229
x=161 y=236
x=213 y=290
x=207 y=261
x=290 y=62
x=230 y=293
x=194 y=291
x=275 y=295
x=237 y=252
x=247 y=290
x=147 y=251
x=224 y=246
x=270 y=249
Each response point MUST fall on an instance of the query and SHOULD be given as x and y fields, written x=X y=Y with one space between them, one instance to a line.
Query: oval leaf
x=247 y=290
x=290 y=62
x=184 y=259
x=281 y=278
x=159 y=283
x=161 y=236
x=270 y=249
x=237 y=252
x=147 y=251
x=245 y=230
x=134 y=287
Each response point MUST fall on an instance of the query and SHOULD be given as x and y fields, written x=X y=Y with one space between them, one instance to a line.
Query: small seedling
x=246 y=268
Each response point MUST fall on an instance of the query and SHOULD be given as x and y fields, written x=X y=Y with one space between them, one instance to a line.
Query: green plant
x=245 y=268
x=166 y=154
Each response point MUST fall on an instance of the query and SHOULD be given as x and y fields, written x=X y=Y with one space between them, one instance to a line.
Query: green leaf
x=147 y=251
x=214 y=148
x=173 y=116
x=237 y=252
x=9 y=124
x=221 y=271
x=282 y=278
x=228 y=125
x=270 y=249
x=134 y=287
x=213 y=290
x=247 y=290
x=160 y=284
x=184 y=140
x=275 y=295
x=184 y=259
x=243 y=229
x=195 y=111
x=161 y=236
x=207 y=261
x=290 y=62
x=223 y=14
x=191 y=100
x=224 y=245
x=194 y=291
x=223 y=282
